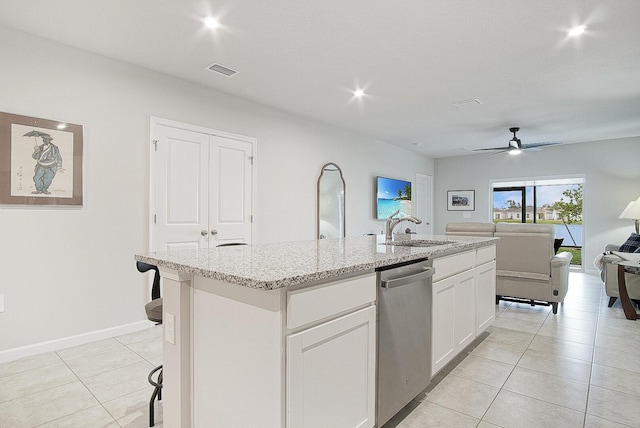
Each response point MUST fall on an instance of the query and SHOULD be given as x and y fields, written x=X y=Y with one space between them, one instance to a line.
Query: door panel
x=230 y=189
x=423 y=197
x=181 y=182
x=231 y=164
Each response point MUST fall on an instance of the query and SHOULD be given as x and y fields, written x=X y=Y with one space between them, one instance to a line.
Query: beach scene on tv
x=393 y=195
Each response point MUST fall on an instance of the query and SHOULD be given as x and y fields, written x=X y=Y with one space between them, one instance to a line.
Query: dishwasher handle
x=392 y=283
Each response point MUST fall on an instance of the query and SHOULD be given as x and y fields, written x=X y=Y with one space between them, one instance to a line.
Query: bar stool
x=154 y=314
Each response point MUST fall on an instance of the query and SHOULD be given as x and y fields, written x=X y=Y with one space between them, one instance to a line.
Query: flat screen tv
x=392 y=195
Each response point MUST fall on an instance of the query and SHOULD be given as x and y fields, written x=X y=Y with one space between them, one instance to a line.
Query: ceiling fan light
x=577 y=30
x=514 y=150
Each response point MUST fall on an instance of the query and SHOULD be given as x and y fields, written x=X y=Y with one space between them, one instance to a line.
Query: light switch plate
x=169 y=323
x=1 y=302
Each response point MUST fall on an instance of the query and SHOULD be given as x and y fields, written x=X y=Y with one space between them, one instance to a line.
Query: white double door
x=203 y=187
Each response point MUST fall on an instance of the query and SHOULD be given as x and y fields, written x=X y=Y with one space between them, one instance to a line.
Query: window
x=555 y=201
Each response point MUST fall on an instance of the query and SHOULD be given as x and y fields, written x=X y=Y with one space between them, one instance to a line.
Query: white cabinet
x=331 y=355
x=463 y=302
x=485 y=287
x=331 y=373
x=453 y=317
x=443 y=321
x=464 y=330
x=485 y=295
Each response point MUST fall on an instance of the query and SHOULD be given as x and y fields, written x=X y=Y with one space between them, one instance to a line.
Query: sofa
x=527 y=268
x=609 y=272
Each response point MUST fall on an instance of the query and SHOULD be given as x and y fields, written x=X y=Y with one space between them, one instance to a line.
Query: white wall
x=69 y=272
x=612 y=180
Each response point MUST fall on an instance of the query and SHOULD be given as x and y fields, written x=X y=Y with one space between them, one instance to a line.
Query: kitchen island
x=283 y=335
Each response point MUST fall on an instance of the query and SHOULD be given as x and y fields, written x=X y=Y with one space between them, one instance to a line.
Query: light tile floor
x=578 y=368
x=101 y=384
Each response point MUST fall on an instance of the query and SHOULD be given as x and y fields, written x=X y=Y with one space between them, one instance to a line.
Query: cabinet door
x=442 y=324
x=485 y=296
x=465 y=310
x=453 y=318
x=331 y=373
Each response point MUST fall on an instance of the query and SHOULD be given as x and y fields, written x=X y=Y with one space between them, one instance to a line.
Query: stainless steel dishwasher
x=404 y=335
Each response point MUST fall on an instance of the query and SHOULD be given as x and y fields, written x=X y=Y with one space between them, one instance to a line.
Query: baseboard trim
x=66 y=342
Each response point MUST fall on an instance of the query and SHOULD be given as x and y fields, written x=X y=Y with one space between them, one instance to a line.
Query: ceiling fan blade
x=534 y=145
x=492 y=148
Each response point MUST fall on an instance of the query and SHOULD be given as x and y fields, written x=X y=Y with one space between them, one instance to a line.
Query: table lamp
x=632 y=212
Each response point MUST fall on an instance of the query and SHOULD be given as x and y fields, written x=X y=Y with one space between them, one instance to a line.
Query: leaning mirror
x=331 y=202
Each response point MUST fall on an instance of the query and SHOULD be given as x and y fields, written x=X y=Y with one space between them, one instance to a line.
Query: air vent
x=221 y=69
x=468 y=103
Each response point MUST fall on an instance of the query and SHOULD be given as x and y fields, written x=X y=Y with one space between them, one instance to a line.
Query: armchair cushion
x=632 y=257
x=525 y=248
x=631 y=245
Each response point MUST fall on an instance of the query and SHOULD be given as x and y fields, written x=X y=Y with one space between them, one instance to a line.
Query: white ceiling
x=414 y=58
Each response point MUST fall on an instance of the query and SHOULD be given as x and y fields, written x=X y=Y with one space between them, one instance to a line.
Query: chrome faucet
x=393 y=222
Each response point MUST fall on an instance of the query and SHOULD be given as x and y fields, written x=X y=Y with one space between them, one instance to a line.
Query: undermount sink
x=419 y=243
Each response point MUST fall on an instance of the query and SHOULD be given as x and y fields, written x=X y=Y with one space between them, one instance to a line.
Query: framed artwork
x=461 y=200
x=40 y=161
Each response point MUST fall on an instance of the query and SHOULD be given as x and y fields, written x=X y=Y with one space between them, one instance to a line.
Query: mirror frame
x=344 y=192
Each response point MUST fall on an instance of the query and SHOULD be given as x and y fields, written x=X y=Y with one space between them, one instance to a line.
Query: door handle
x=213 y=232
x=392 y=283
x=203 y=232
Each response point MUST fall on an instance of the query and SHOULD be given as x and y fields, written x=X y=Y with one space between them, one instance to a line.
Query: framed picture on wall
x=461 y=200
x=40 y=161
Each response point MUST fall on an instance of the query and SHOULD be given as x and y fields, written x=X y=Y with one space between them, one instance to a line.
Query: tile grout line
x=593 y=356
x=90 y=392
x=512 y=370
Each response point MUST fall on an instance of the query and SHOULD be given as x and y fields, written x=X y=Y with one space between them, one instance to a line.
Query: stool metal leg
x=157 y=392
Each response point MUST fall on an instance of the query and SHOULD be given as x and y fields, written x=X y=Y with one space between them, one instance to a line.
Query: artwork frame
x=461 y=200
x=41 y=162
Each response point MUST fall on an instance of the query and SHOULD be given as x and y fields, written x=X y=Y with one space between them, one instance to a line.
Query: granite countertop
x=279 y=265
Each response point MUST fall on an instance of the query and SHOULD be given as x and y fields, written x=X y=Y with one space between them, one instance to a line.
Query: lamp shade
x=632 y=211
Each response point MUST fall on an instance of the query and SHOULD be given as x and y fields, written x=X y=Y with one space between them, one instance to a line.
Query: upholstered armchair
x=527 y=267
x=609 y=273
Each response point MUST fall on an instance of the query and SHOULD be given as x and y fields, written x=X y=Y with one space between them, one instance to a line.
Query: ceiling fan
x=515 y=146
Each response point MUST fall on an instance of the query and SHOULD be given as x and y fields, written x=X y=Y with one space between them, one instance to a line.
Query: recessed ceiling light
x=358 y=93
x=577 y=30
x=211 y=22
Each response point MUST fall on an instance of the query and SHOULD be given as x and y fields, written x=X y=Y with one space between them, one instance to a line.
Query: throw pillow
x=631 y=245
x=556 y=244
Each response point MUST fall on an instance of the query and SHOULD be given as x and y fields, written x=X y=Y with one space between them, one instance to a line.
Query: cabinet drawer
x=485 y=255
x=451 y=265
x=314 y=303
